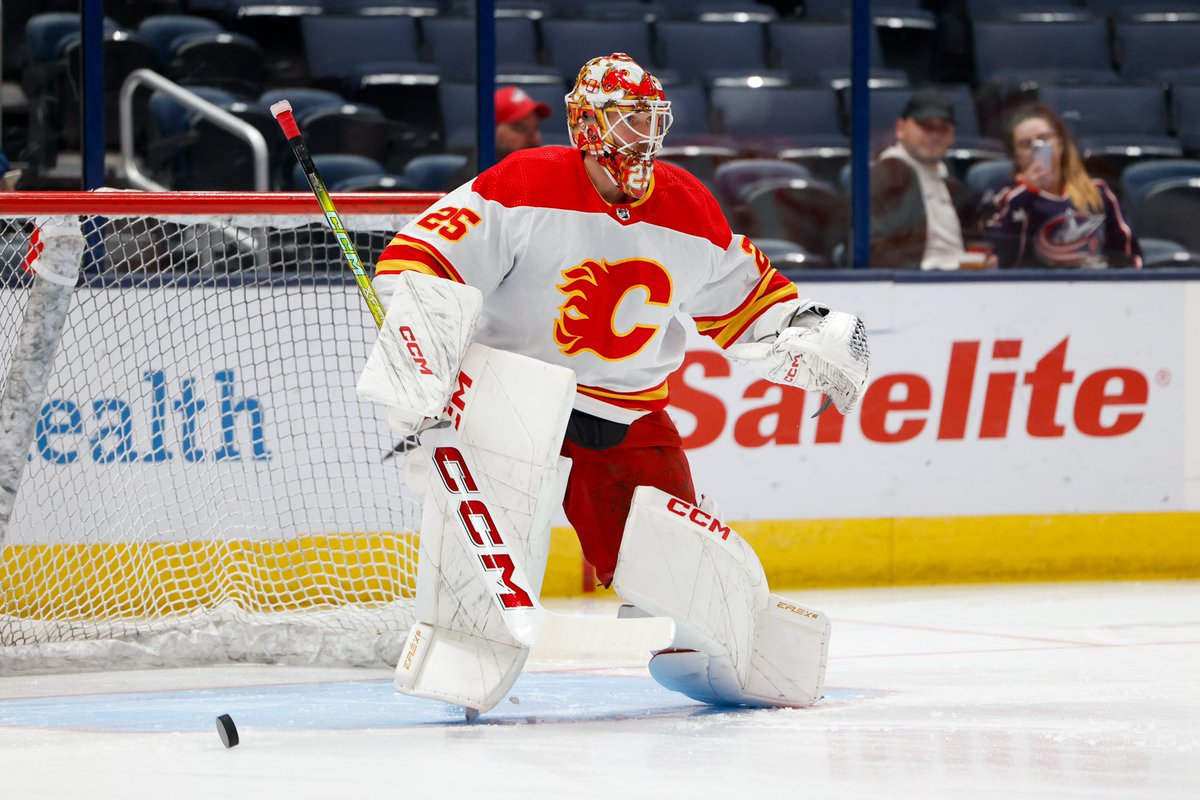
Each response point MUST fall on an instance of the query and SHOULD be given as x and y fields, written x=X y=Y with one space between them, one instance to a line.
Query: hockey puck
x=227 y=730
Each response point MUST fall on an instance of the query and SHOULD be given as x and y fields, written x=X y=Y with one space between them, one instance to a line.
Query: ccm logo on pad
x=414 y=350
x=697 y=517
x=476 y=520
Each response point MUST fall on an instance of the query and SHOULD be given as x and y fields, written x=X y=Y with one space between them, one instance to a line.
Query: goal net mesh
x=202 y=483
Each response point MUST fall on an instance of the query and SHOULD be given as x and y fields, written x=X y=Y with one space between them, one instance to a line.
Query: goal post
x=198 y=481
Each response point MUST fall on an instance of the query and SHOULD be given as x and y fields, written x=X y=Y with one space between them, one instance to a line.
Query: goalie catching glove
x=816 y=349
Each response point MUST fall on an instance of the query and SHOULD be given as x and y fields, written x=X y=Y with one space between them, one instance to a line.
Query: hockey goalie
x=533 y=317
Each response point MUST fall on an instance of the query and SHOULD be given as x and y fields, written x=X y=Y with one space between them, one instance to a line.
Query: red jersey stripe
x=405 y=252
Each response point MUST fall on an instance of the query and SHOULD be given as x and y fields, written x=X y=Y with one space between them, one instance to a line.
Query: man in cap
x=917 y=209
x=518 y=127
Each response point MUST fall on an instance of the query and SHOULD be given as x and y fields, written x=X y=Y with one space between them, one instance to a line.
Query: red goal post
x=198 y=481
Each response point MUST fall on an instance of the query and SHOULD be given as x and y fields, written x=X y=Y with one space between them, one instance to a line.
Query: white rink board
x=1140 y=327
x=241 y=455
x=1136 y=326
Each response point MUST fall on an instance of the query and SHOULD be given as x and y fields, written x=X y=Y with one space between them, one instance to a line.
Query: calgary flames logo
x=595 y=290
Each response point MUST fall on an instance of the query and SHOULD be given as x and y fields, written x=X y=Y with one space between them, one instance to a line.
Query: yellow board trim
x=934 y=550
x=153 y=580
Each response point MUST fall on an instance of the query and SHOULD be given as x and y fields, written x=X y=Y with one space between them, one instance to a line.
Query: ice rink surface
x=1088 y=690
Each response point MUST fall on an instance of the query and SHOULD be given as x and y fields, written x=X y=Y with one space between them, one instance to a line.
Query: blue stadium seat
x=383 y=8
x=335 y=168
x=1165 y=253
x=429 y=173
x=701 y=51
x=214 y=159
x=348 y=129
x=909 y=12
x=172 y=118
x=626 y=10
x=451 y=43
x=1185 y=109
x=46 y=34
x=161 y=31
x=336 y=47
x=807 y=49
x=809 y=212
x=234 y=61
x=1169 y=210
x=1152 y=50
x=790 y=258
x=985 y=179
x=1115 y=120
x=731 y=179
x=805 y=116
x=715 y=11
x=1147 y=10
x=689 y=111
x=1027 y=10
x=570 y=43
x=1049 y=52
x=1138 y=178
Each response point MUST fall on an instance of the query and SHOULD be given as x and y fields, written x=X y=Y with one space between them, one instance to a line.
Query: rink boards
x=1011 y=430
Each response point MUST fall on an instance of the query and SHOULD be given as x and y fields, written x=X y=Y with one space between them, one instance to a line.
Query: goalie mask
x=617 y=112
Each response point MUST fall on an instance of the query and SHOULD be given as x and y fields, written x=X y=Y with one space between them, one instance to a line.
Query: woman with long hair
x=1055 y=214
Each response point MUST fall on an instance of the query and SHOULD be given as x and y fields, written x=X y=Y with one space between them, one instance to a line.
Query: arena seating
x=750 y=79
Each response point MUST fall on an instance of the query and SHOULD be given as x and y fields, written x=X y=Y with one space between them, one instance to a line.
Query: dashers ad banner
x=988 y=398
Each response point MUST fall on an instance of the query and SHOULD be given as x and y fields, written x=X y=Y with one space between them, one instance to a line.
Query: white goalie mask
x=617 y=113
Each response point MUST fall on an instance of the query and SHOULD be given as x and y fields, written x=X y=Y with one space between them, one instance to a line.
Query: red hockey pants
x=600 y=489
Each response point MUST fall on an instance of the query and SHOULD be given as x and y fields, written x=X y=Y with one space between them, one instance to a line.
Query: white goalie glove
x=816 y=349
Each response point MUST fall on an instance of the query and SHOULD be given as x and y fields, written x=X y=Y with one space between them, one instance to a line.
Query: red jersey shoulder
x=547 y=177
x=681 y=202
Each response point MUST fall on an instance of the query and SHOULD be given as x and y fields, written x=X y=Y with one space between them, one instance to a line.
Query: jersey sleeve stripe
x=651 y=399
x=407 y=253
x=724 y=330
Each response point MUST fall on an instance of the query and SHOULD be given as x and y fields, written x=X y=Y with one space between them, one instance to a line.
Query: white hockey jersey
x=573 y=280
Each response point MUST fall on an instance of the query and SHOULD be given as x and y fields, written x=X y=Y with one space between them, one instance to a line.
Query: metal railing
x=214 y=113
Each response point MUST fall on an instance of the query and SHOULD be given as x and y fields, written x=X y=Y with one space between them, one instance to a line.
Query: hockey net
x=202 y=483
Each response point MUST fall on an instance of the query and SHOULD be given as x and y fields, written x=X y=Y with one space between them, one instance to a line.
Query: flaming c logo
x=595 y=290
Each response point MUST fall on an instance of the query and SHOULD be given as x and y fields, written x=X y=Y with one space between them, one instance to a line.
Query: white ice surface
x=1017 y=691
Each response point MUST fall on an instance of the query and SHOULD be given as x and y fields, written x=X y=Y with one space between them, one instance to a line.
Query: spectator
x=1055 y=215
x=518 y=126
x=8 y=174
x=917 y=209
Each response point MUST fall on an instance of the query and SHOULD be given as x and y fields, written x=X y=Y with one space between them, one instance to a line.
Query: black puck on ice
x=227 y=730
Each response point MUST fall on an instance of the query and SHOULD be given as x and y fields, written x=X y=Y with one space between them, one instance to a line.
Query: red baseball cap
x=513 y=104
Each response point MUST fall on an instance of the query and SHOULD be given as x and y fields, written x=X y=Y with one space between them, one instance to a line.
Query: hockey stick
x=282 y=112
x=559 y=638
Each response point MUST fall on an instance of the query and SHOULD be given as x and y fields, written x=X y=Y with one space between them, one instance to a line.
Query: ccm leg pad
x=735 y=643
x=787 y=663
x=455 y=667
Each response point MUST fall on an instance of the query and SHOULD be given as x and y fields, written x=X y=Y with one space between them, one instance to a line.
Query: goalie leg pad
x=735 y=643
x=457 y=667
x=491 y=489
